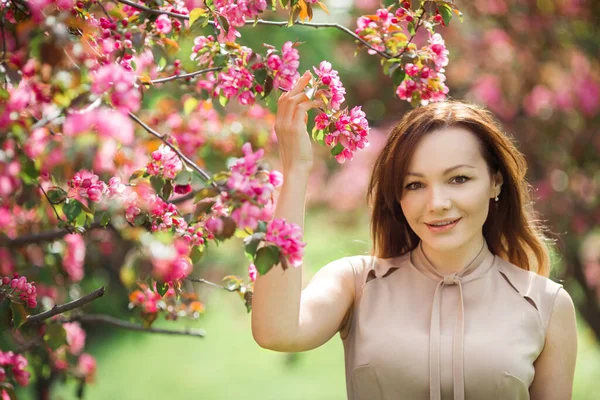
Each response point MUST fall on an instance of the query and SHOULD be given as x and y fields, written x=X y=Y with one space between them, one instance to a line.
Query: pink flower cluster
x=75 y=337
x=107 y=123
x=165 y=162
x=173 y=266
x=16 y=363
x=351 y=131
x=328 y=84
x=9 y=178
x=426 y=79
x=237 y=81
x=86 y=367
x=74 y=256
x=285 y=67
x=119 y=82
x=378 y=29
x=247 y=180
x=86 y=184
x=236 y=12
x=163 y=24
x=19 y=286
x=288 y=237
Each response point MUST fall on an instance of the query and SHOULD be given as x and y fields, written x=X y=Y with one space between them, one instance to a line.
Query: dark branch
x=183 y=76
x=58 y=309
x=189 y=162
x=262 y=22
x=106 y=319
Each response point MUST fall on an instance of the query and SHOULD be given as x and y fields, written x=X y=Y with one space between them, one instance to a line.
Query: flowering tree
x=93 y=154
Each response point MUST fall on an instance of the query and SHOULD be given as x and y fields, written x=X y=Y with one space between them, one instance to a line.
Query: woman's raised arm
x=285 y=318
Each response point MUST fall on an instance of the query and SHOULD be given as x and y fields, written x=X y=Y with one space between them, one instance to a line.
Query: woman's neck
x=454 y=261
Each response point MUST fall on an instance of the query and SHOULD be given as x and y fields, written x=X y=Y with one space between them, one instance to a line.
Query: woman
x=455 y=302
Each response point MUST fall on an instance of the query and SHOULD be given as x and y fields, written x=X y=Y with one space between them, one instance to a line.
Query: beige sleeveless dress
x=413 y=334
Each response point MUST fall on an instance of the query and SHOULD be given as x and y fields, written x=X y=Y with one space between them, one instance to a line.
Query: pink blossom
x=87 y=184
x=247 y=216
x=74 y=257
x=163 y=24
x=119 y=82
x=285 y=67
x=9 y=178
x=106 y=122
x=75 y=337
x=165 y=162
x=288 y=237
x=86 y=366
x=252 y=272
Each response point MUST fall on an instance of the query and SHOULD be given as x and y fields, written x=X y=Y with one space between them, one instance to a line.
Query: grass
x=228 y=364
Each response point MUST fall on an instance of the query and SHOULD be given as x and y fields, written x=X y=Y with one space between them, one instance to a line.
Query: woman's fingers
x=300 y=84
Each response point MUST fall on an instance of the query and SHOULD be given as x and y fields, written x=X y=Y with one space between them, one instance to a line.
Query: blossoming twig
x=189 y=162
x=58 y=309
x=261 y=22
x=182 y=76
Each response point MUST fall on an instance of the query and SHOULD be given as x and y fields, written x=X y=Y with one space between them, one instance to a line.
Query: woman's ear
x=498 y=181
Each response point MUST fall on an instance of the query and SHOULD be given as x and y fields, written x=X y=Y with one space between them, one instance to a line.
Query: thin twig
x=107 y=319
x=200 y=280
x=105 y=12
x=183 y=76
x=51 y=203
x=189 y=162
x=412 y=36
x=58 y=309
x=262 y=22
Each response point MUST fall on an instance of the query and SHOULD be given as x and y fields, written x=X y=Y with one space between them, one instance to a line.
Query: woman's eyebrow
x=445 y=171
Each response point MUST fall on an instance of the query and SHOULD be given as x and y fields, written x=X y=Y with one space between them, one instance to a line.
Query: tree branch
x=106 y=319
x=88 y=298
x=183 y=76
x=262 y=22
x=189 y=162
x=200 y=280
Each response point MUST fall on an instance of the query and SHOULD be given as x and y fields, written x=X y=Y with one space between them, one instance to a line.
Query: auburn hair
x=512 y=229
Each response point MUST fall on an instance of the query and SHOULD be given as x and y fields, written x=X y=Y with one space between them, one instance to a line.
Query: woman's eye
x=459 y=179
x=461 y=176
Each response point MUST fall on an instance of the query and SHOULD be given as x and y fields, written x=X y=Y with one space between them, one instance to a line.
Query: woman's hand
x=290 y=126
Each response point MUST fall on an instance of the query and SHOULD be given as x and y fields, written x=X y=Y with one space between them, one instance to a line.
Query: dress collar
x=476 y=268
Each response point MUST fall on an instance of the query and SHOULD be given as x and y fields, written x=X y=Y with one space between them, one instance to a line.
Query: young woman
x=455 y=302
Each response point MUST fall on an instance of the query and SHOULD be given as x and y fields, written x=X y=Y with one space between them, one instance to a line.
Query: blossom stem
x=183 y=76
x=51 y=204
x=200 y=280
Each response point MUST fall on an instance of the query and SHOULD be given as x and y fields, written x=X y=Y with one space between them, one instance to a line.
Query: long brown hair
x=512 y=229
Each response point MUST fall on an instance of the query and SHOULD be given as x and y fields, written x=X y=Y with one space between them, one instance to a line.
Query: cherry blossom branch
x=58 y=309
x=107 y=319
x=189 y=162
x=182 y=76
x=412 y=36
x=262 y=22
x=51 y=236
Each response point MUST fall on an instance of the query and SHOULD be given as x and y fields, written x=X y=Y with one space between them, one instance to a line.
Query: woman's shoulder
x=537 y=289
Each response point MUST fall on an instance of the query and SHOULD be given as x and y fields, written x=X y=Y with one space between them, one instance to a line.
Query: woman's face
x=448 y=179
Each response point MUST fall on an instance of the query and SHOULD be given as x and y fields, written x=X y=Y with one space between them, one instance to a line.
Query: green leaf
x=411 y=28
x=252 y=243
x=72 y=209
x=445 y=12
x=197 y=254
x=105 y=219
x=268 y=86
x=183 y=178
x=55 y=335
x=205 y=193
x=222 y=100
x=262 y=227
x=224 y=24
x=19 y=314
x=161 y=288
x=5 y=312
x=337 y=149
x=195 y=14
x=157 y=183
x=266 y=258
x=137 y=174
x=167 y=191
x=56 y=194
x=398 y=76
x=29 y=173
